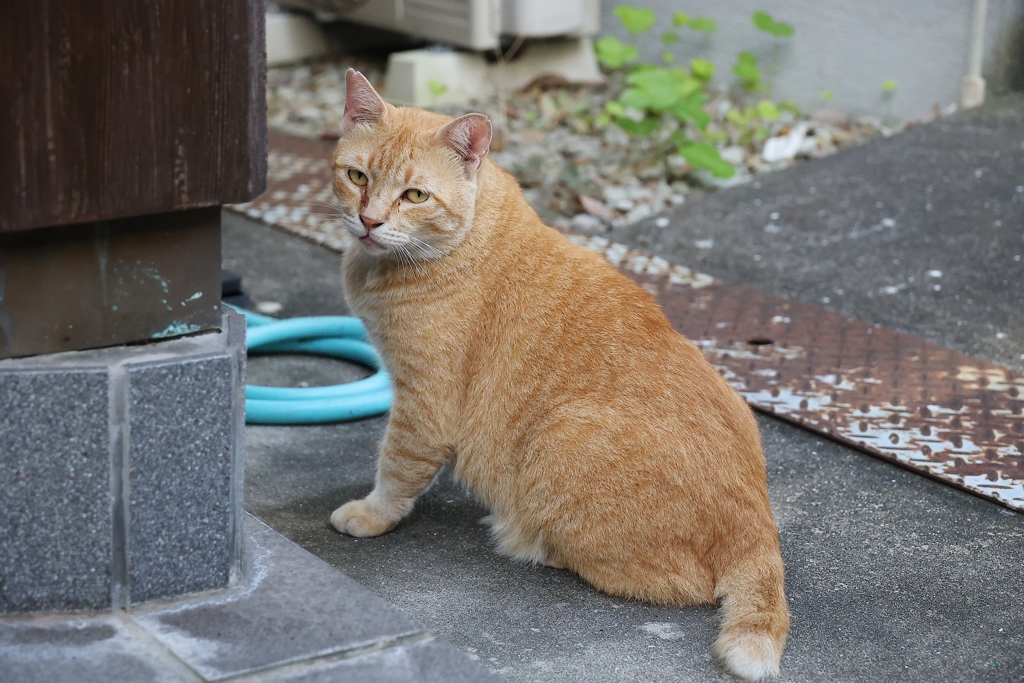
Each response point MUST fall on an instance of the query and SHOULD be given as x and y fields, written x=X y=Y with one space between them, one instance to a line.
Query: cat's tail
x=755 y=617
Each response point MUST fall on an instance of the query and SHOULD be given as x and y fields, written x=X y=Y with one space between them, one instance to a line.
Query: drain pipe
x=972 y=89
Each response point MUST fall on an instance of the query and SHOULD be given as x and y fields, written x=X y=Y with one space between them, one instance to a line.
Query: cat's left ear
x=468 y=136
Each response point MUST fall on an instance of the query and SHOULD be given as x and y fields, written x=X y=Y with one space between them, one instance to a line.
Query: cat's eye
x=416 y=196
x=357 y=177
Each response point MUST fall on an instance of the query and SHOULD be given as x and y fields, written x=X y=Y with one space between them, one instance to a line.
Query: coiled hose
x=334 y=336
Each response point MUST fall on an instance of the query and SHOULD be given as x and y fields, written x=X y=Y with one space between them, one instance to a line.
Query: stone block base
x=120 y=472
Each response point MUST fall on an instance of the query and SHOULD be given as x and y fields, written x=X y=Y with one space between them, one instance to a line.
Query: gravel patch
x=576 y=173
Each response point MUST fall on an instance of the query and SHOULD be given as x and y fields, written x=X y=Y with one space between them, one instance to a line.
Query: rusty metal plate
x=939 y=412
x=299 y=197
x=935 y=410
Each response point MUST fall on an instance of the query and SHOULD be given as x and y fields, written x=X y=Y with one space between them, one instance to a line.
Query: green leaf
x=680 y=19
x=642 y=128
x=687 y=111
x=635 y=97
x=668 y=57
x=715 y=135
x=678 y=139
x=825 y=95
x=736 y=117
x=602 y=120
x=702 y=69
x=615 y=109
x=691 y=87
x=703 y=24
x=613 y=53
x=669 y=37
x=698 y=98
x=655 y=89
x=768 y=110
x=764 y=22
x=707 y=157
x=635 y=19
x=436 y=87
x=657 y=93
x=889 y=85
x=746 y=57
x=746 y=68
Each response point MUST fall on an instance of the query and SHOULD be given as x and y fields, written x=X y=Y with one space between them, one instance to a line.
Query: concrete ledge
x=120 y=472
x=292 y=618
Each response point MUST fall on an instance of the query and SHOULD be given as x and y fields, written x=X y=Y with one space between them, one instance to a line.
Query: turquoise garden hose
x=334 y=336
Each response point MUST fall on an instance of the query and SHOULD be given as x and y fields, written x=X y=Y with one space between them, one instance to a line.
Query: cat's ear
x=469 y=136
x=362 y=103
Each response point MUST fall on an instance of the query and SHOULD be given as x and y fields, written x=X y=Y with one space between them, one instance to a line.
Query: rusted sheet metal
x=937 y=411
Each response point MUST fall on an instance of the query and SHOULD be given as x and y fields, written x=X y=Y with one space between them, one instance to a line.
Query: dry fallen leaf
x=596 y=208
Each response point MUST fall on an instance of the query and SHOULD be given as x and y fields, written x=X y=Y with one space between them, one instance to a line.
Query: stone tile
x=295 y=607
x=180 y=499
x=86 y=650
x=55 y=547
x=427 y=661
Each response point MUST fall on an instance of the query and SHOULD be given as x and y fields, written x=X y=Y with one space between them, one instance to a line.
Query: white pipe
x=972 y=88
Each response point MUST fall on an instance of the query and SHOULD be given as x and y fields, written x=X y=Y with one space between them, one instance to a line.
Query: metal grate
x=937 y=411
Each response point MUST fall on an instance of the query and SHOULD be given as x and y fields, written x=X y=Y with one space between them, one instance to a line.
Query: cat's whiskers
x=428 y=250
x=420 y=256
x=317 y=245
x=405 y=257
x=409 y=245
x=327 y=205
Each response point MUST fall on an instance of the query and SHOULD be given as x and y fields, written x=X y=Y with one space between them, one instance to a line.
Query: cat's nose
x=369 y=223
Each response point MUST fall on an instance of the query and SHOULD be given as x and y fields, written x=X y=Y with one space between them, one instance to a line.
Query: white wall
x=846 y=46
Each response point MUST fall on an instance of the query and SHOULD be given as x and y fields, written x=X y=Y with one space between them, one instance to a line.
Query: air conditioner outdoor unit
x=478 y=24
x=475 y=25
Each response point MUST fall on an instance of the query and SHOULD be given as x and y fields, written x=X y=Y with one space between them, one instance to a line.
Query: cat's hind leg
x=515 y=541
x=405 y=467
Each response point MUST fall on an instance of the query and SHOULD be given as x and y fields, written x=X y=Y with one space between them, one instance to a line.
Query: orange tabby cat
x=600 y=438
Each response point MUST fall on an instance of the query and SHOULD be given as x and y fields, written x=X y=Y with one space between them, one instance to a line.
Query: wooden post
x=126 y=124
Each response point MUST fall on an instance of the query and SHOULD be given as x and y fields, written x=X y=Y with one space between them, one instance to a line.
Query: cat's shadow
x=445 y=505
x=445 y=528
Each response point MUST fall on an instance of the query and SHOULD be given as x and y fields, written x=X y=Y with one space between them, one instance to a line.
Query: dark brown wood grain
x=123 y=108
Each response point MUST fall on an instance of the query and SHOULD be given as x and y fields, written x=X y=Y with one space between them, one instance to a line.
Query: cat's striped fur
x=600 y=439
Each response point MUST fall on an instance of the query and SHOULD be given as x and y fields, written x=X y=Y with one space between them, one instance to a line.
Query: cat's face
x=406 y=178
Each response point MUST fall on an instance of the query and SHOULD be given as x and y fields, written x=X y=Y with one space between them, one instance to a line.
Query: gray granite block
x=426 y=661
x=55 y=491
x=86 y=650
x=180 y=452
x=121 y=471
x=294 y=607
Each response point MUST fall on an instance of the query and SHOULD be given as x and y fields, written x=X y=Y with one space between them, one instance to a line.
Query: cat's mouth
x=372 y=244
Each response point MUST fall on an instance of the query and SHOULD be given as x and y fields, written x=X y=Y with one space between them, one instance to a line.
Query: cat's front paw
x=359 y=518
